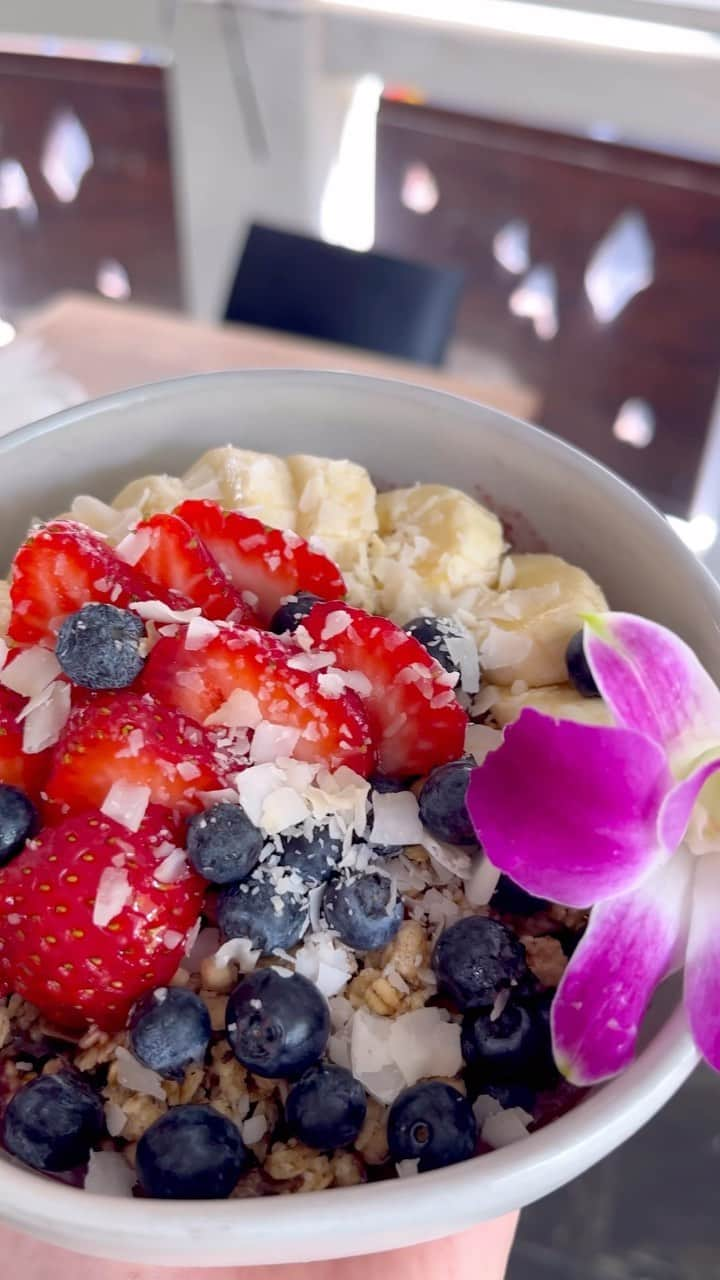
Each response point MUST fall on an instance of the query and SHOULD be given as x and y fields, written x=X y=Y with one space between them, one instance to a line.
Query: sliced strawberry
x=18 y=770
x=85 y=928
x=415 y=719
x=177 y=558
x=128 y=737
x=63 y=566
x=270 y=563
x=333 y=729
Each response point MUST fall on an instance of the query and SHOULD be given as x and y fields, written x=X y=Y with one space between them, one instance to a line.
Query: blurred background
x=516 y=200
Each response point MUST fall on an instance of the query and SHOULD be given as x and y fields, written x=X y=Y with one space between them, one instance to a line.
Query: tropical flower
x=625 y=820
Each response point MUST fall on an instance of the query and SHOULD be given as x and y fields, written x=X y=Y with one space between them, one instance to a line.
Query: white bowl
x=402 y=434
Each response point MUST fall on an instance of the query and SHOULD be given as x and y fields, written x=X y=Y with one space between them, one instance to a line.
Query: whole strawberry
x=86 y=925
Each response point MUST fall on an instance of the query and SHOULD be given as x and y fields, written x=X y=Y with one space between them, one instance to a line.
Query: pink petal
x=569 y=811
x=702 y=967
x=652 y=682
x=631 y=944
x=678 y=804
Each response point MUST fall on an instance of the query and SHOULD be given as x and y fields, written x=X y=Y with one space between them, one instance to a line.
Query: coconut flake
x=482 y=882
x=31 y=671
x=484 y=1107
x=115 y=1119
x=188 y=770
x=108 y=1174
x=45 y=718
x=480 y=740
x=407 y=1168
x=449 y=856
x=172 y=868
x=282 y=809
x=505 y=1127
x=396 y=819
x=464 y=655
x=254 y=785
x=127 y=803
x=199 y=633
x=502 y=648
x=158 y=611
x=273 y=741
x=134 y=1076
x=113 y=893
x=240 y=711
x=370 y=1056
x=335 y=623
x=326 y=962
x=508 y=574
x=133 y=547
x=237 y=951
x=331 y=684
x=311 y=661
x=426 y=1043
x=254 y=1128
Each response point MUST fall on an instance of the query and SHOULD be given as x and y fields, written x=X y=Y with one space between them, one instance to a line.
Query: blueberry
x=191 y=1153
x=52 y=1122
x=327 y=1107
x=433 y=634
x=433 y=1124
x=364 y=910
x=500 y=1049
x=510 y=899
x=578 y=668
x=270 y=914
x=295 y=609
x=315 y=857
x=442 y=803
x=223 y=844
x=100 y=647
x=384 y=787
x=18 y=821
x=475 y=959
x=277 y=1026
x=169 y=1030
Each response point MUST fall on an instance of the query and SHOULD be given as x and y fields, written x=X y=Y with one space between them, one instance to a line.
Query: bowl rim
x=547 y=1158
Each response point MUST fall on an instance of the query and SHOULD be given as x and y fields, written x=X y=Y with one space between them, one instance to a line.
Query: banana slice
x=524 y=630
x=5 y=606
x=336 y=508
x=438 y=551
x=150 y=495
x=257 y=483
x=560 y=701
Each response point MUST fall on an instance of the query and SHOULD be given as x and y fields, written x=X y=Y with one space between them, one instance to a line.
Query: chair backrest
x=371 y=300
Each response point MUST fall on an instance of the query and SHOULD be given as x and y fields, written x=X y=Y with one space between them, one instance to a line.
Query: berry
x=271 y=914
x=581 y=677
x=292 y=612
x=315 y=857
x=442 y=803
x=416 y=721
x=364 y=910
x=85 y=928
x=176 y=558
x=191 y=1153
x=223 y=844
x=244 y=661
x=433 y=1124
x=327 y=1107
x=277 y=1026
x=53 y=1122
x=475 y=959
x=63 y=566
x=508 y=1095
x=510 y=899
x=434 y=634
x=504 y=1049
x=169 y=1030
x=18 y=821
x=100 y=647
x=27 y=772
x=272 y=564
x=128 y=737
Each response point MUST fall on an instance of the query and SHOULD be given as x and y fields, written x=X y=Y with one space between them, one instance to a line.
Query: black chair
x=300 y=285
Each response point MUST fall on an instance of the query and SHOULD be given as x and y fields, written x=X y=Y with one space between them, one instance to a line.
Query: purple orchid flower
x=625 y=820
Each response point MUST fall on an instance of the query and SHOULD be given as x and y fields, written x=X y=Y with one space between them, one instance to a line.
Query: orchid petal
x=569 y=811
x=630 y=945
x=678 y=804
x=702 y=966
x=652 y=682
